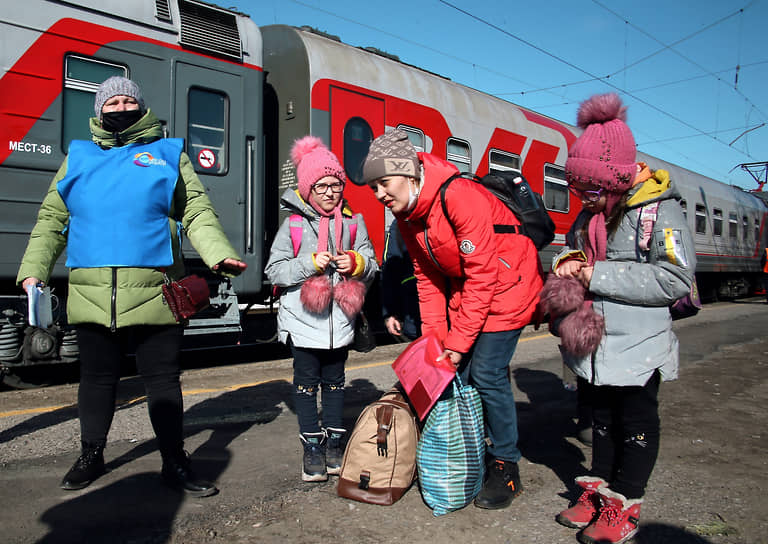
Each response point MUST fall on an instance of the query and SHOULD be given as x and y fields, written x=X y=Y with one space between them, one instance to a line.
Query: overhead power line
x=586 y=72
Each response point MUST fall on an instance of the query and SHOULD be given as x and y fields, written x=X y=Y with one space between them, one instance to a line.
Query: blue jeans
x=488 y=372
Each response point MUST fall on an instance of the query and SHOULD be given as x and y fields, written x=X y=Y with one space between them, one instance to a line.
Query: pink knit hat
x=314 y=161
x=604 y=155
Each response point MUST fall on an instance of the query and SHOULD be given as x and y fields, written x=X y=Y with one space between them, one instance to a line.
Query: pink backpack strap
x=352 y=223
x=648 y=216
x=297 y=230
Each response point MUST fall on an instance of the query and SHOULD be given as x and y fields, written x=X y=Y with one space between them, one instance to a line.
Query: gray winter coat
x=633 y=290
x=331 y=329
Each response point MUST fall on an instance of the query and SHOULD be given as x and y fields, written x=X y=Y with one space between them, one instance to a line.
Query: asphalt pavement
x=707 y=486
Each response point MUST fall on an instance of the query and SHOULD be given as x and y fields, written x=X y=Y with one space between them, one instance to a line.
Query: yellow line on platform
x=190 y=392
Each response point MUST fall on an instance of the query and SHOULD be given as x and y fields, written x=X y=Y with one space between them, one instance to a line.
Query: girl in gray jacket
x=629 y=256
x=322 y=260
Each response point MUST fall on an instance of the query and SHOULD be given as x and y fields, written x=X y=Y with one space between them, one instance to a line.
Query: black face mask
x=118 y=121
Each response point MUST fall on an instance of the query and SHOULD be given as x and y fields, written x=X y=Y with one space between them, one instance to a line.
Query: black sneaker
x=502 y=485
x=334 y=451
x=177 y=473
x=88 y=467
x=313 y=463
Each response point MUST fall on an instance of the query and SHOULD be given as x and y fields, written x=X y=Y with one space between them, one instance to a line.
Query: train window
x=717 y=222
x=207 y=130
x=701 y=219
x=82 y=77
x=357 y=139
x=733 y=226
x=555 y=189
x=745 y=227
x=415 y=136
x=458 y=154
x=684 y=206
x=501 y=161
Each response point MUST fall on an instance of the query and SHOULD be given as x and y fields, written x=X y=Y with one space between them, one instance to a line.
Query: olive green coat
x=122 y=297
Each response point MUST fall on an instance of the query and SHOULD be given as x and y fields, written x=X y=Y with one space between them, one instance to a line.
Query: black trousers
x=157 y=361
x=625 y=438
x=314 y=368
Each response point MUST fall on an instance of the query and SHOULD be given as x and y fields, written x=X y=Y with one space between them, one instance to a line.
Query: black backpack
x=516 y=194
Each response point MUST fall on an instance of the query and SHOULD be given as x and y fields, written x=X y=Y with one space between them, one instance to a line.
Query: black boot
x=178 y=474
x=502 y=484
x=313 y=467
x=88 y=467
x=334 y=451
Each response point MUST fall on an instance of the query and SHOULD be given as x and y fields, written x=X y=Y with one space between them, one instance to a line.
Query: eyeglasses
x=322 y=188
x=589 y=196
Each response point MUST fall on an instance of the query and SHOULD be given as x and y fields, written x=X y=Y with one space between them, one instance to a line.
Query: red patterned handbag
x=186 y=296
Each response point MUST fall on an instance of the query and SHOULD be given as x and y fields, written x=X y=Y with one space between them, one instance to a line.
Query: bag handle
x=384 y=415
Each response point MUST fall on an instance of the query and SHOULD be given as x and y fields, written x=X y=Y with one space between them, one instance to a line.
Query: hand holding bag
x=450 y=455
x=186 y=296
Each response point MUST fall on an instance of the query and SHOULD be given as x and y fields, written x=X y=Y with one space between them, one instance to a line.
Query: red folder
x=422 y=376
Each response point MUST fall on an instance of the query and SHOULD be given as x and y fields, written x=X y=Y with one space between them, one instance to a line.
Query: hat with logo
x=604 y=155
x=117 y=86
x=391 y=154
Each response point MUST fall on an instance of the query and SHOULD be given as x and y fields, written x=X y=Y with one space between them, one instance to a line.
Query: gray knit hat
x=391 y=154
x=115 y=86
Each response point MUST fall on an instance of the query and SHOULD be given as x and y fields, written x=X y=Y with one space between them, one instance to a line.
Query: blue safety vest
x=119 y=201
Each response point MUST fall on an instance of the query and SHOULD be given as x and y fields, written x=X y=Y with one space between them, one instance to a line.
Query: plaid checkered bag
x=450 y=455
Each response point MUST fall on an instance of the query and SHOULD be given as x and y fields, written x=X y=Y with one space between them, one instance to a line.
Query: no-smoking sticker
x=206 y=158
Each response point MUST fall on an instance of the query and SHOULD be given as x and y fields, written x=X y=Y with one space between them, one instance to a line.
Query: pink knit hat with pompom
x=314 y=161
x=604 y=155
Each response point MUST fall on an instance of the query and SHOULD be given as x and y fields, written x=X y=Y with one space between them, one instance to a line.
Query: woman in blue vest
x=115 y=205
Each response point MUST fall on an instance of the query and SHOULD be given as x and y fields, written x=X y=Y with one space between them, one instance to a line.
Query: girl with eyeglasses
x=323 y=262
x=629 y=255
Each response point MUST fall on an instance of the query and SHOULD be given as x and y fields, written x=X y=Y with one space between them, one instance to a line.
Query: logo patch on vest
x=146 y=159
x=466 y=247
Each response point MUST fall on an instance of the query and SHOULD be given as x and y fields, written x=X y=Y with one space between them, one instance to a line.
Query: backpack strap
x=297 y=230
x=352 y=223
x=648 y=215
x=498 y=229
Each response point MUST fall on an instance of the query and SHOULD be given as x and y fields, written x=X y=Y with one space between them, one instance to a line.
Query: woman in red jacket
x=477 y=288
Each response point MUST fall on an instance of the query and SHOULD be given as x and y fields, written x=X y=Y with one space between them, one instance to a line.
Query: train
x=240 y=95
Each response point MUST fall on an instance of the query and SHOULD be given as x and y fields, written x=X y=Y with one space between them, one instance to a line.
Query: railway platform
x=708 y=486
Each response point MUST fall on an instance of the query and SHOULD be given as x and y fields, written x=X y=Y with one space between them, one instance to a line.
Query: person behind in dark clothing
x=399 y=297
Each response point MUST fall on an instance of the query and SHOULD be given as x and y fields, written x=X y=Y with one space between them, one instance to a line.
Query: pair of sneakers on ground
x=323 y=454
x=605 y=517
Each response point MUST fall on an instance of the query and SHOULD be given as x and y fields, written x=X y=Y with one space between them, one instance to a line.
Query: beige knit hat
x=391 y=154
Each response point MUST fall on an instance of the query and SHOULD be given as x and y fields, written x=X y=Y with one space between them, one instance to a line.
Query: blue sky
x=694 y=75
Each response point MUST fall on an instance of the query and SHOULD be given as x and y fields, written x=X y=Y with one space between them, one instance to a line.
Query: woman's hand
x=453 y=356
x=323 y=259
x=30 y=282
x=394 y=326
x=344 y=263
x=570 y=268
x=232 y=266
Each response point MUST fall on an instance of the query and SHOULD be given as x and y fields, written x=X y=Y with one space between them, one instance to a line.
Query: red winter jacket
x=494 y=278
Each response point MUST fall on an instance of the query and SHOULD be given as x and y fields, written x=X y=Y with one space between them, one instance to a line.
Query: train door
x=356 y=119
x=209 y=113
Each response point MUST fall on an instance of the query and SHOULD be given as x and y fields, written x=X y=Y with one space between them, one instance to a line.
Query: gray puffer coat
x=331 y=329
x=633 y=290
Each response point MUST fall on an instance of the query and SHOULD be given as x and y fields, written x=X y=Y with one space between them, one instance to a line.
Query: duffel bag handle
x=384 y=416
